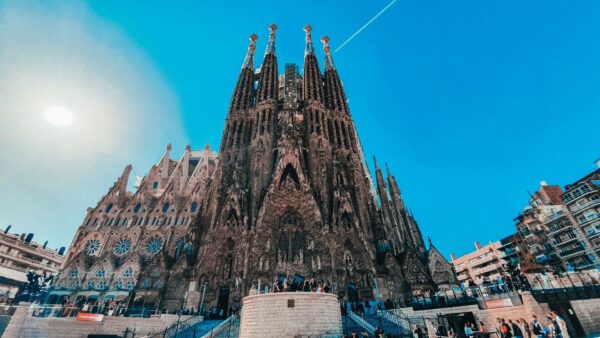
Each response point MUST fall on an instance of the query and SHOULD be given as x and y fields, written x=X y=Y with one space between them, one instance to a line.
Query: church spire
x=271 y=45
x=243 y=94
x=268 y=84
x=313 y=82
x=334 y=91
x=328 y=59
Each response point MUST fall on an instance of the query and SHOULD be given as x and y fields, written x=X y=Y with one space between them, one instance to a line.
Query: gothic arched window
x=137 y=207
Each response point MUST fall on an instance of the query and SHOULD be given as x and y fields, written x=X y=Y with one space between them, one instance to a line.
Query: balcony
x=568 y=252
x=588 y=219
x=564 y=241
x=482 y=260
x=486 y=269
x=578 y=208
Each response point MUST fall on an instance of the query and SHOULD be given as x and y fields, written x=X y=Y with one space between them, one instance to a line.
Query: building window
x=137 y=207
x=119 y=285
x=101 y=273
x=109 y=207
x=102 y=285
x=123 y=246
x=130 y=285
x=166 y=207
x=155 y=185
x=74 y=273
x=194 y=207
x=92 y=247
x=91 y=285
x=128 y=273
x=154 y=245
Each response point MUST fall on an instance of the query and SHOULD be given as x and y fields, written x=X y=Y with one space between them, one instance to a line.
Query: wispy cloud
x=366 y=25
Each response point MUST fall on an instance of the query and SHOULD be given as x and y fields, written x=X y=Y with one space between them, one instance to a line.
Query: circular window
x=73 y=273
x=92 y=247
x=154 y=245
x=101 y=273
x=123 y=246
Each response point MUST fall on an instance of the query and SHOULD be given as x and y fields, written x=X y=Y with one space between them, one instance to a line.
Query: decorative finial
x=308 y=30
x=328 y=59
x=271 y=45
x=253 y=37
x=249 y=60
x=310 y=49
x=169 y=146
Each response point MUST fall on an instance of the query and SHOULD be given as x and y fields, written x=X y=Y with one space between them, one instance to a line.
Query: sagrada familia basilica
x=288 y=194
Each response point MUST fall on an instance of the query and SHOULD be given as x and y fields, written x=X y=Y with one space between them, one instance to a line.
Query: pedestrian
x=505 y=331
x=481 y=327
x=468 y=330
x=536 y=327
x=516 y=330
x=562 y=324
x=524 y=327
x=417 y=332
x=379 y=333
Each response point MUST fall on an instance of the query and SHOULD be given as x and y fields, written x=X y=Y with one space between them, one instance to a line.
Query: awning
x=14 y=276
x=61 y=292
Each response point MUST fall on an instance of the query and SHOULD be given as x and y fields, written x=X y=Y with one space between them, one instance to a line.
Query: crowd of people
x=554 y=326
x=292 y=284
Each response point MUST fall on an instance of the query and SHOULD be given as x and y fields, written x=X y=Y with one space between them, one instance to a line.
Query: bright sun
x=58 y=116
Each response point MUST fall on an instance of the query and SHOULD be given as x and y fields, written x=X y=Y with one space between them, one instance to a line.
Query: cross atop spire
x=271 y=45
x=249 y=60
x=328 y=59
x=310 y=48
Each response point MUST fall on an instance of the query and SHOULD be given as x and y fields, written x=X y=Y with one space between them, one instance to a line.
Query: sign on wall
x=498 y=303
x=89 y=317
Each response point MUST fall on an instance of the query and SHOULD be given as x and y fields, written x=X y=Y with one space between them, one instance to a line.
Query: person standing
x=562 y=324
x=505 y=331
x=468 y=331
x=516 y=330
x=417 y=332
x=524 y=327
x=536 y=328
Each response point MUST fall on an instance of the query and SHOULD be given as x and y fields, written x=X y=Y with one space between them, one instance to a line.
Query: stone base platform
x=291 y=314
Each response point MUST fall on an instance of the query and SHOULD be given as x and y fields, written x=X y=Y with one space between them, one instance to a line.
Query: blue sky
x=471 y=103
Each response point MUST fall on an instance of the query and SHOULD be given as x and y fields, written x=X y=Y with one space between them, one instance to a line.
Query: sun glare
x=58 y=116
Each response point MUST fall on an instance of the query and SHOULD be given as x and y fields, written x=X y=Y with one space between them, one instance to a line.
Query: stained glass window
x=154 y=245
x=130 y=285
x=91 y=285
x=92 y=247
x=102 y=285
x=73 y=273
x=137 y=207
x=123 y=246
x=101 y=273
x=128 y=273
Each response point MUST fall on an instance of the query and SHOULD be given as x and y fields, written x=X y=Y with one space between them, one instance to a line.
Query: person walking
x=516 y=330
x=536 y=328
x=505 y=331
x=468 y=330
x=524 y=327
x=562 y=324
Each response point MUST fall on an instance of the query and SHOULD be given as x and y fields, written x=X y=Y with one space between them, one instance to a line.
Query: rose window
x=123 y=246
x=92 y=247
x=154 y=245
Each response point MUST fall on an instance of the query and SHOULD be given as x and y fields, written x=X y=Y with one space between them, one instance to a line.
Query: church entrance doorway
x=223 y=299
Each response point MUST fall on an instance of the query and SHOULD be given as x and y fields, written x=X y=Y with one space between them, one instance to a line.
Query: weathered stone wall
x=274 y=315
x=588 y=312
x=23 y=326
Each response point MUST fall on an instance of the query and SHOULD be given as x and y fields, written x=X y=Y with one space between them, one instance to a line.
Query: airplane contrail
x=366 y=25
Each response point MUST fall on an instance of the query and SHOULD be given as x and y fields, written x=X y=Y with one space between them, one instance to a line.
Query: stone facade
x=290 y=194
x=291 y=314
